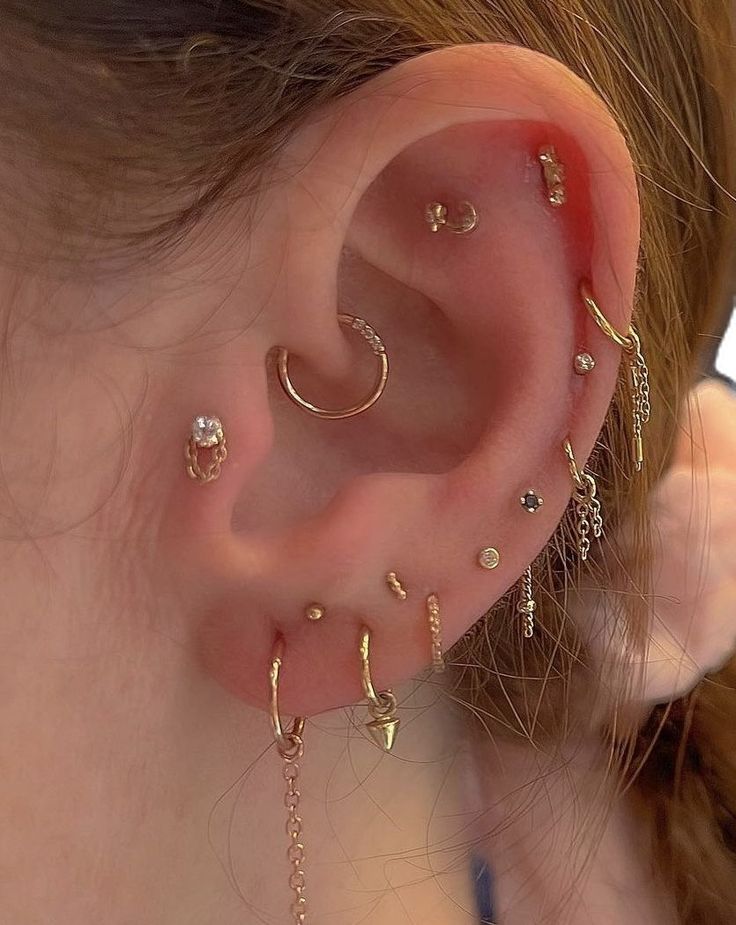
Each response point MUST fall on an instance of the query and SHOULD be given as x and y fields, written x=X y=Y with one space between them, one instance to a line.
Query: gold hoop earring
x=378 y=348
x=290 y=746
x=638 y=371
x=207 y=434
x=436 y=216
x=435 y=629
x=384 y=726
x=587 y=505
x=527 y=606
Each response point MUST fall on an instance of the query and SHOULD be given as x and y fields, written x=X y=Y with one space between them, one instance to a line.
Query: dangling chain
x=640 y=395
x=527 y=605
x=588 y=509
x=295 y=851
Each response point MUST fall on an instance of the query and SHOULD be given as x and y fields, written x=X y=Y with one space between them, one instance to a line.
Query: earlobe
x=479 y=198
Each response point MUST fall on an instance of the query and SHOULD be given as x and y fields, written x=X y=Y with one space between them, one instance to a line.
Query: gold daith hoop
x=381 y=704
x=638 y=371
x=378 y=348
x=290 y=746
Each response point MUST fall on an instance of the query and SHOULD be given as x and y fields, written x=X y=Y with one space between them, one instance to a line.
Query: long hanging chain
x=294 y=830
x=640 y=396
x=588 y=509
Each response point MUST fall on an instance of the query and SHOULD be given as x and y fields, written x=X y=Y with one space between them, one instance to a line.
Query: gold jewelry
x=436 y=215
x=531 y=501
x=584 y=364
x=290 y=746
x=315 y=612
x=527 y=606
x=395 y=586
x=554 y=176
x=435 y=628
x=206 y=434
x=638 y=371
x=382 y=705
x=587 y=505
x=489 y=558
x=376 y=345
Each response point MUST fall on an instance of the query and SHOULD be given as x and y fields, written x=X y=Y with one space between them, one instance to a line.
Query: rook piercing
x=554 y=175
x=435 y=628
x=584 y=364
x=638 y=371
x=206 y=434
x=290 y=746
x=395 y=585
x=436 y=215
x=314 y=612
x=587 y=505
x=381 y=705
x=531 y=501
x=376 y=345
x=527 y=606
x=489 y=558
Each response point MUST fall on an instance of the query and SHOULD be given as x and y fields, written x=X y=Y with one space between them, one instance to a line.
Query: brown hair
x=182 y=106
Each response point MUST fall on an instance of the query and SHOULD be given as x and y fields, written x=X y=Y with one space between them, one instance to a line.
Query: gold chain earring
x=206 y=434
x=587 y=505
x=527 y=606
x=290 y=746
x=384 y=726
x=377 y=346
x=638 y=371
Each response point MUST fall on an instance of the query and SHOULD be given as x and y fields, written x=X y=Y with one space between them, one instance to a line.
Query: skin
x=141 y=609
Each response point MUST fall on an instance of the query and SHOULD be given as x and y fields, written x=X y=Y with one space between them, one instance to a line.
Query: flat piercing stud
x=314 y=612
x=531 y=501
x=584 y=364
x=436 y=215
x=395 y=586
x=207 y=434
x=489 y=558
x=554 y=176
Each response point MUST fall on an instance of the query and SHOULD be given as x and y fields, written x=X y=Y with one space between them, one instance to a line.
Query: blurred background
x=725 y=361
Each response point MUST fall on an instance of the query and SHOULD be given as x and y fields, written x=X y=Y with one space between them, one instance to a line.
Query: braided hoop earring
x=290 y=746
x=378 y=348
x=638 y=371
x=381 y=705
x=587 y=505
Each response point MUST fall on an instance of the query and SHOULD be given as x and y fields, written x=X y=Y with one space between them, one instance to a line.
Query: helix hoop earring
x=638 y=371
x=527 y=606
x=290 y=746
x=587 y=505
x=384 y=726
x=436 y=216
x=206 y=434
x=378 y=348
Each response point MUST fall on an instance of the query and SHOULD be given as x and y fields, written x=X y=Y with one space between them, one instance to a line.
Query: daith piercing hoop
x=436 y=216
x=381 y=705
x=207 y=434
x=378 y=348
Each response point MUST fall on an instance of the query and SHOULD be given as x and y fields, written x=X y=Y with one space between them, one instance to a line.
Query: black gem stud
x=531 y=501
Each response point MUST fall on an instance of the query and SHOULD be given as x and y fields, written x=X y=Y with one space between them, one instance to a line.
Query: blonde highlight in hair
x=183 y=108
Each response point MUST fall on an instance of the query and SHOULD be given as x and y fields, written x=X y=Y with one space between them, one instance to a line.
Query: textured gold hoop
x=290 y=744
x=381 y=704
x=435 y=628
x=207 y=434
x=622 y=340
x=378 y=348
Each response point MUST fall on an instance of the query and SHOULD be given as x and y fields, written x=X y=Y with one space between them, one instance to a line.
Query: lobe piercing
x=554 y=175
x=584 y=364
x=395 y=586
x=314 y=612
x=381 y=704
x=435 y=628
x=436 y=215
x=531 y=501
x=207 y=434
x=489 y=558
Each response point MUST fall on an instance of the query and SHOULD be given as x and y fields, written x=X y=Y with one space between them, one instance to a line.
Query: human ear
x=481 y=330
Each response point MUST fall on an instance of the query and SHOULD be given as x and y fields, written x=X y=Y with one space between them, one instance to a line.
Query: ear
x=481 y=330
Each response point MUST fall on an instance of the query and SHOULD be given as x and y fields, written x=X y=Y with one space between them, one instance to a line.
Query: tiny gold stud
x=315 y=612
x=395 y=586
x=584 y=364
x=489 y=558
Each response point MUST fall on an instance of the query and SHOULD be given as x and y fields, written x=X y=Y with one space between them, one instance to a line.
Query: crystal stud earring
x=531 y=501
x=208 y=435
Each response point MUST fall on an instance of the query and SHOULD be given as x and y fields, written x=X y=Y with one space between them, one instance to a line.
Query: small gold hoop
x=290 y=744
x=628 y=342
x=383 y=703
x=378 y=348
x=435 y=214
x=574 y=471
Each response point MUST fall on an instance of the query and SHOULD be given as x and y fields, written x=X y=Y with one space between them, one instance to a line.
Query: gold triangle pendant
x=384 y=731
